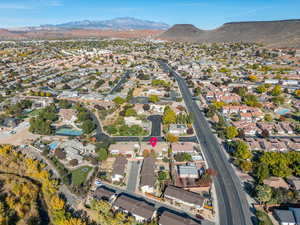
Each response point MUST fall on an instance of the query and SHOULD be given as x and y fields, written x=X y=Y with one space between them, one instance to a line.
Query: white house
x=178 y=129
x=131 y=120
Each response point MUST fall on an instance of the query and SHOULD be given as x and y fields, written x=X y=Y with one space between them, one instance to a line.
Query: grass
x=34 y=112
x=263 y=217
x=79 y=175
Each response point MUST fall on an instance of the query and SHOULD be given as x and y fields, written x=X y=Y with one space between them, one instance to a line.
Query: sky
x=205 y=14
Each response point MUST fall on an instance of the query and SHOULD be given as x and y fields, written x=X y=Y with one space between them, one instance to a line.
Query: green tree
x=276 y=91
x=263 y=193
x=154 y=98
x=242 y=150
x=231 y=132
x=169 y=116
x=261 y=172
x=171 y=138
x=119 y=101
x=102 y=154
x=88 y=126
x=268 y=117
x=130 y=112
x=261 y=89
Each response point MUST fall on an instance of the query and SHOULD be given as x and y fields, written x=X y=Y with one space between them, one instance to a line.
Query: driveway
x=133 y=176
x=156 y=125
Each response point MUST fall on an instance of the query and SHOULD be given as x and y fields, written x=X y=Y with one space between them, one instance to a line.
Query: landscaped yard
x=263 y=217
x=79 y=175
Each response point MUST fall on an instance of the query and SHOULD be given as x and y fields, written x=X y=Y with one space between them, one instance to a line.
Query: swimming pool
x=53 y=145
x=68 y=132
x=282 y=111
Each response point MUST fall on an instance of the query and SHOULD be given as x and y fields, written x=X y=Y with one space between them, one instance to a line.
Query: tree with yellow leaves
x=3 y=217
x=56 y=203
x=171 y=138
x=72 y=221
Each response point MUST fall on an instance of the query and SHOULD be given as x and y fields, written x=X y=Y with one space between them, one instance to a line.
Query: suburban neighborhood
x=153 y=131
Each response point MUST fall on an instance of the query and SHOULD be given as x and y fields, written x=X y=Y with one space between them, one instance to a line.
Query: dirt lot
x=20 y=138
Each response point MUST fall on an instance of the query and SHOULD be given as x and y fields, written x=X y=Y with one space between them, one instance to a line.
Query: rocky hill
x=182 y=32
x=284 y=33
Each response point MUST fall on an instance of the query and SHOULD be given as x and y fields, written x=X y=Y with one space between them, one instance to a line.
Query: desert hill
x=284 y=33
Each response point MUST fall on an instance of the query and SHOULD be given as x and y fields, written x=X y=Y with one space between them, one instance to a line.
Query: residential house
x=74 y=149
x=285 y=217
x=67 y=116
x=183 y=147
x=147 y=175
x=276 y=182
x=294 y=182
x=182 y=196
x=178 y=129
x=168 y=218
x=188 y=171
x=126 y=149
x=131 y=120
x=287 y=127
x=103 y=193
x=140 y=210
x=119 y=167
x=157 y=108
x=11 y=122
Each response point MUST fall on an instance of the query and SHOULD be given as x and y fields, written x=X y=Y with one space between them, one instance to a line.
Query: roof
x=147 y=172
x=296 y=212
x=276 y=182
x=187 y=170
x=168 y=218
x=124 y=147
x=103 y=192
x=135 y=206
x=119 y=165
x=285 y=216
x=67 y=114
x=183 y=147
x=183 y=195
x=294 y=181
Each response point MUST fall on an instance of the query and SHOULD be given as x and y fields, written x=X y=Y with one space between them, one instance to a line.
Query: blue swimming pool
x=53 y=145
x=282 y=111
x=68 y=132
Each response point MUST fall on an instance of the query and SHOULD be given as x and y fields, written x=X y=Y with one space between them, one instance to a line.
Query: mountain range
x=121 y=23
x=281 y=33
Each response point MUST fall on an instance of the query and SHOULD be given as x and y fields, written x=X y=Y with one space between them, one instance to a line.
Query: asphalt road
x=233 y=206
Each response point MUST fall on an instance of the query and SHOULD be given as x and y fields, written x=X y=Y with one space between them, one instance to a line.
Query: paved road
x=121 y=81
x=233 y=206
x=133 y=176
x=156 y=125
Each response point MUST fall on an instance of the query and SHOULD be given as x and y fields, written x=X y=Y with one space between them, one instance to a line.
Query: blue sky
x=205 y=14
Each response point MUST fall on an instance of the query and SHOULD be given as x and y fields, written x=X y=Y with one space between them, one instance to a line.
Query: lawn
x=79 y=175
x=263 y=217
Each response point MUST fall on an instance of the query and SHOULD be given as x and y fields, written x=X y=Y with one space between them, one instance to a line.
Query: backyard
x=79 y=175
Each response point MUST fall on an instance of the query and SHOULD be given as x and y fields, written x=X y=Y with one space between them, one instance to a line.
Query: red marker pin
x=153 y=141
